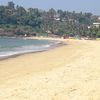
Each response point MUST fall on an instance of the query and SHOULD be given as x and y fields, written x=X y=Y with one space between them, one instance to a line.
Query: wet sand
x=69 y=72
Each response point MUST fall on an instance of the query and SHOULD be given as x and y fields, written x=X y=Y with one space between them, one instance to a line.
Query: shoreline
x=57 y=42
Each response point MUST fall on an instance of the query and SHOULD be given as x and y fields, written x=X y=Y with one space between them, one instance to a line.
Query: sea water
x=14 y=46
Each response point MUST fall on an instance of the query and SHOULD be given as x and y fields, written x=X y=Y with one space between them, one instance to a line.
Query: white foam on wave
x=25 y=49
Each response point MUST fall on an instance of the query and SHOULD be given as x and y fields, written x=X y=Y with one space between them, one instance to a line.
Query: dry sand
x=70 y=72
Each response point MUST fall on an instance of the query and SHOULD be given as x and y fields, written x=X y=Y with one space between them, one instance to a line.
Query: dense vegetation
x=16 y=20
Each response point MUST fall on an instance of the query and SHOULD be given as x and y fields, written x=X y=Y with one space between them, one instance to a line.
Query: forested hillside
x=16 y=20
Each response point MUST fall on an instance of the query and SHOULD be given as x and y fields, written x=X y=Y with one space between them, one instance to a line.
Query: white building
x=98 y=18
x=89 y=27
x=96 y=24
x=57 y=19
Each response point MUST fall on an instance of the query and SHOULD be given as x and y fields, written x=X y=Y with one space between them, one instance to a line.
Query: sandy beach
x=69 y=72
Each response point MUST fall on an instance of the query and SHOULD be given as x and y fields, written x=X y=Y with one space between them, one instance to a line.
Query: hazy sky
x=77 y=5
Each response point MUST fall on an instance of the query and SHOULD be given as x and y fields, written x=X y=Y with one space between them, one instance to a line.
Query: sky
x=92 y=6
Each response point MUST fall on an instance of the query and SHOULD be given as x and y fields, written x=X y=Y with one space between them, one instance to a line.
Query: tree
x=55 y=22
x=11 y=5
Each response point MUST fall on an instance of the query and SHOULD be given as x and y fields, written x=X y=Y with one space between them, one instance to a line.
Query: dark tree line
x=56 y=22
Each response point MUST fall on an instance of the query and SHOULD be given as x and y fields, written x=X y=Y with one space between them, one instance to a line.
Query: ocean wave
x=16 y=46
x=24 y=49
